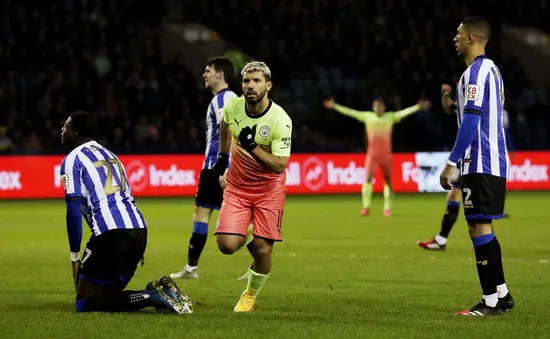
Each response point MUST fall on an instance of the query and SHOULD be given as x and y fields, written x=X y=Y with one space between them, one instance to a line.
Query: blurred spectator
x=104 y=57
x=6 y=145
x=360 y=49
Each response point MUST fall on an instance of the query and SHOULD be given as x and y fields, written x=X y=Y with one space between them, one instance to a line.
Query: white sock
x=190 y=268
x=491 y=300
x=440 y=240
x=502 y=290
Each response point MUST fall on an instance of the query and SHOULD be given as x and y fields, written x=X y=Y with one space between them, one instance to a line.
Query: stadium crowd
x=86 y=55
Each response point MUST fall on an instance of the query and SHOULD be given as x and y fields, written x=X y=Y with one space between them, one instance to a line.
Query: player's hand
x=445 y=177
x=221 y=163
x=425 y=104
x=329 y=103
x=223 y=180
x=246 y=138
x=76 y=270
x=446 y=89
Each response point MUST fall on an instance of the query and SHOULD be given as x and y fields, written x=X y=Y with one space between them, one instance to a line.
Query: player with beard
x=259 y=133
x=481 y=147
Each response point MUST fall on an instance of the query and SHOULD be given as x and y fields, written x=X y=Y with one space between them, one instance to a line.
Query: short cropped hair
x=84 y=124
x=380 y=98
x=257 y=66
x=479 y=26
x=223 y=64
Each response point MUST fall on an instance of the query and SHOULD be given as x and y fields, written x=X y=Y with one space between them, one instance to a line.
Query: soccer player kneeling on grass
x=259 y=133
x=96 y=188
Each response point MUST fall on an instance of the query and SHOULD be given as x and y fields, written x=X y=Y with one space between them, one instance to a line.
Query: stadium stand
x=94 y=56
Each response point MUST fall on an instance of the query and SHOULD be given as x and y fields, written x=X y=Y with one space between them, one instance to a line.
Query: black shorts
x=209 y=193
x=483 y=196
x=112 y=257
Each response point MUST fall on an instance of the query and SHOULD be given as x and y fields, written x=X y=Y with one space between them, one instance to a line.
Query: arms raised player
x=378 y=109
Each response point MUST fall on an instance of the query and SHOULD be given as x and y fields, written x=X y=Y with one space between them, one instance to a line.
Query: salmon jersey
x=379 y=128
x=273 y=135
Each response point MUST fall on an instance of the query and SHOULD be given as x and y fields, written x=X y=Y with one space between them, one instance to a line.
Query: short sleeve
x=282 y=136
x=222 y=100
x=225 y=115
x=71 y=169
x=227 y=111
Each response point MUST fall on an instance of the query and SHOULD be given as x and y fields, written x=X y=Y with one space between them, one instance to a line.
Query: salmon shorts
x=240 y=208
x=382 y=161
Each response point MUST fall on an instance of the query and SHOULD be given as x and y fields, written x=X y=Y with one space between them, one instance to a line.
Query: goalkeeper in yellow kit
x=379 y=125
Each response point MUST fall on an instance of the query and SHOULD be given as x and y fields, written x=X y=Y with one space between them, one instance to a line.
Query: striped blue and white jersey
x=214 y=115
x=95 y=175
x=481 y=91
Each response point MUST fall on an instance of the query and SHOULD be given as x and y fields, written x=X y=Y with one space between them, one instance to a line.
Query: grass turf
x=336 y=275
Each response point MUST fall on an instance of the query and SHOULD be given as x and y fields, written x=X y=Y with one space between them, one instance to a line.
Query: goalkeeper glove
x=246 y=138
x=221 y=163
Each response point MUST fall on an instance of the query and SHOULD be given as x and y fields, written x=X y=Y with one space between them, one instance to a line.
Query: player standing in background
x=508 y=133
x=379 y=125
x=439 y=242
x=481 y=146
x=259 y=133
x=509 y=141
x=217 y=74
x=96 y=187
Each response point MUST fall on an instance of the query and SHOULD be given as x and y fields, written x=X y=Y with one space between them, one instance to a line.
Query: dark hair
x=223 y=64
x=84 y=124
x=479 y=25
x=380 y=98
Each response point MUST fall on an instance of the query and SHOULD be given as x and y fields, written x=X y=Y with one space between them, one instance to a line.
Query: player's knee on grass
x=80 y=305
x=202 y=214
x=229 y=243
x=86 y=291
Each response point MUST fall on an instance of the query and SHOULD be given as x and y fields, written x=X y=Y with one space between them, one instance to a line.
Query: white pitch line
x=360 y=256
x=385 y=257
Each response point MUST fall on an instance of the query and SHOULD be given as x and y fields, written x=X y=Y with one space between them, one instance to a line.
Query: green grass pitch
x=336 y=275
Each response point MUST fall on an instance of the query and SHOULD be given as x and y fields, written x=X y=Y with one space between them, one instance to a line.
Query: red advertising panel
x=157 y=176
x=529 y=171
x=178 y=175
x=343 y=173
x=149 y=175
x=30 y=177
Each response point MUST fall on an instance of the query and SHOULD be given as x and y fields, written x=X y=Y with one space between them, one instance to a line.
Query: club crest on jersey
x=65 y=181
x=264 y=131
x=472 y=92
